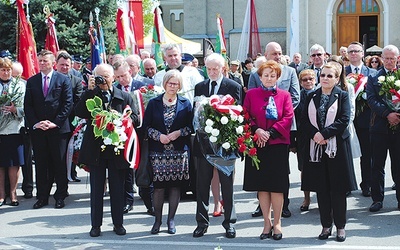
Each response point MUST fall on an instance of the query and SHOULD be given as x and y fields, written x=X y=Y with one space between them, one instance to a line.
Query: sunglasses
x=327 y=75
x=318 y=54
x=307 y=79
x=374 y=61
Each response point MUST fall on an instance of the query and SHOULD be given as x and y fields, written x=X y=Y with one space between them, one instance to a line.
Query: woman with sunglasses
x=327 y=151
x=375 y=62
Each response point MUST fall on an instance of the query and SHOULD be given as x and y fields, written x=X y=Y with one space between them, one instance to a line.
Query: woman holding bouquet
x=327 y=165
x=12 y=92
x=271 y=114
x=168 y=119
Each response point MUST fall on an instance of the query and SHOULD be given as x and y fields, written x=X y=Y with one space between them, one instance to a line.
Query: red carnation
x=242 y=148
x=253 y=152
x=246 y=116
x=110 y=127
x=240 y=140
x=143 y=90
x=246 y=127
x=247 y=135
x=150 y=87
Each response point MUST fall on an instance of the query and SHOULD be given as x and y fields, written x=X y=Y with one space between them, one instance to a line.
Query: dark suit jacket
x=154 y=118
x=363 y=119
x=57 y=105
x=134 y=85
x=301 y=67
x=90 y=149
x=379 y=109
x=77 y=89
x=331 y=173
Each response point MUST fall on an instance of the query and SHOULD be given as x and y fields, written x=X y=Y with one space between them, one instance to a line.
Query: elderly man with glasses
x=317 y=55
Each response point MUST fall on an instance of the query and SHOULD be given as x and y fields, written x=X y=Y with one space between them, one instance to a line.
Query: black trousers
x=381 y=143
x=129 y=180
x=116 y=179
x=50 y=151
x=27 y=172
x=365 y=160
x=204 y=176
x=332 y=208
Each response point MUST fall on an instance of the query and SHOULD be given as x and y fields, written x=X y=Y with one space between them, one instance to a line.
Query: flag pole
x=101 y=36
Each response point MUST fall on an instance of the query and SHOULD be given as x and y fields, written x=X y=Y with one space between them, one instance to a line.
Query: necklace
x=168 y=99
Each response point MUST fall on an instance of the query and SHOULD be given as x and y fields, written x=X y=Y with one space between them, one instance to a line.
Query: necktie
x=106 y=96
x=356 y=70
x=126 y=88
x=318 y=72
x=45 y=86
x=213 y=84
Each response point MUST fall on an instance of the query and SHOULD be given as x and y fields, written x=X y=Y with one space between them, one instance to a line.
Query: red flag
x=136 y=6
x=120 y=30
x=27 y=46
x=51 y=37
x=254 y=44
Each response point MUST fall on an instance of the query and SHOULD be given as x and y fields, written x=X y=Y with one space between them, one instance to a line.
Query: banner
x=26 y=53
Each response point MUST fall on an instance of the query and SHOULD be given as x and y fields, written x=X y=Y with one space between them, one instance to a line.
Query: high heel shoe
x=171 y=227
x=277 y=236
x=264 y=236
x=340 y=238
x=325 y=233
x=14 y=203
x=155 y=229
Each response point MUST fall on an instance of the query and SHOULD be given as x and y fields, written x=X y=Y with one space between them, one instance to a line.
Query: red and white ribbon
x=131 y=148
x=224 y=104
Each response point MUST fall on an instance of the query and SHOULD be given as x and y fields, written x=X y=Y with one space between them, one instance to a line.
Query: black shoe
x=257 y=212
x=151 y=211
x=340 y=238
x=304 y=208
x=76 y=179
x=199 y=231
x=28 y=195
x=127 y=208
x=59 y=203
x=40 y=204
x=286 y=212
x=366 y=193
x=95 y=232
x=394 y=186
x=264 y=236
x=230 y=233
x=376 y=206
x=14 y=203
x=155 y=229
x=325 y=234
x=119 y=230
x=172 y=230
x=277 y=236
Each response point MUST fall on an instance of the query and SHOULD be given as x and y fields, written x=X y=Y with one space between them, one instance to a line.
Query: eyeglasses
x=389 y=59
x=307 y=79
x=327 y=75
x=172 y=84
x=354 y=51
x=318 y=54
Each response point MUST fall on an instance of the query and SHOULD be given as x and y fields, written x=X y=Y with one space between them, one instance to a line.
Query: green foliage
x=72 y=23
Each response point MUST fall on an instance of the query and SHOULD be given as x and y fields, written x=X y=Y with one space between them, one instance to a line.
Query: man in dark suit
x=384 y=130
x=361 y=121
x=64 y=66
x=217 y=84
x=48 y=103
x=99 y=159
x=297 y=64
x=123 y=74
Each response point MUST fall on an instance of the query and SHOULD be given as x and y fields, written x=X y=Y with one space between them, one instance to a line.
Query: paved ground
x=68 y=228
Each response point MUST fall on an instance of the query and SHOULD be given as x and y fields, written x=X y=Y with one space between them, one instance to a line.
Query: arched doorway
x=358 y=20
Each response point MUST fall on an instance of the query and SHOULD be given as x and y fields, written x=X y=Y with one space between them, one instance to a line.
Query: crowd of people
x=309 y=109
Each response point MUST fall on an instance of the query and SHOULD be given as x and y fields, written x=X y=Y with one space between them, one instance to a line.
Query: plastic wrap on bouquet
x=216 y=155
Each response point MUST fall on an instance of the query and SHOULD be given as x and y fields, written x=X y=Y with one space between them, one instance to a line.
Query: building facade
x=295 y=24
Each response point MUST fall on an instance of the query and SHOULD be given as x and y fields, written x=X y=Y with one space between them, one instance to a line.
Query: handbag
x=144 y=174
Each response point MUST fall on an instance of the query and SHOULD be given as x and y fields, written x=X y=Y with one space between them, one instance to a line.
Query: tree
x=72 y=23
